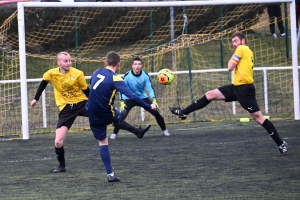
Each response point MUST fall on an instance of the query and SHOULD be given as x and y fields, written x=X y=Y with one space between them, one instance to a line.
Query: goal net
x=191 y=38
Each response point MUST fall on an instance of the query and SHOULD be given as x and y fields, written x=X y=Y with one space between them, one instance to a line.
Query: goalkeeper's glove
x=123 y=105
x=155 y=102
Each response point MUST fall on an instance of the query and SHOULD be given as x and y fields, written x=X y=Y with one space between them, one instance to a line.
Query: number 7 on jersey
x=101 y=78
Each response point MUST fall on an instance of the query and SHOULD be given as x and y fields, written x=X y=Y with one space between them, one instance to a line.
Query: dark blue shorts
x=99 y=130
x=99 y=126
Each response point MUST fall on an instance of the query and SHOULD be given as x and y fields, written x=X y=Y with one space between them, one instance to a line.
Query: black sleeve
x=40 y=90
x=86 y=92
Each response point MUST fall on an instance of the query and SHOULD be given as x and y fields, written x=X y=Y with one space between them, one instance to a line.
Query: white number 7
x=101 y=78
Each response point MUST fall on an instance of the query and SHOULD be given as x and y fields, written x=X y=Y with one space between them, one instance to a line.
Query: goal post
x=23 y=73
x=295 y=59
x=197 y=48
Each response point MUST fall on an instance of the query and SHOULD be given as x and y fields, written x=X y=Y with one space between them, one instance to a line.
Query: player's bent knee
x=209 y=95
x=59 y=144
x=103 y=142
x=258 y=119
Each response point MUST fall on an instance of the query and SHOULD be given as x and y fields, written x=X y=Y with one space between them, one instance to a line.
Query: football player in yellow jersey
x=242 y=90
x=69 y=83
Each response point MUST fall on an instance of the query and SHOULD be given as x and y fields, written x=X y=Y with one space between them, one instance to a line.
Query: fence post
x=266 y=90
x=44 y=109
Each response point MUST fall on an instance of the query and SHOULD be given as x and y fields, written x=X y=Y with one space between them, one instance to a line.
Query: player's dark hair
x=136 y=59
x=112 y=58
x=240 y=35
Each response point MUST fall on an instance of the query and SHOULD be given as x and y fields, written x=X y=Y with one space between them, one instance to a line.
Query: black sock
x=116 y=130
x=272 y=132
x=60 y=153
x=201 y=103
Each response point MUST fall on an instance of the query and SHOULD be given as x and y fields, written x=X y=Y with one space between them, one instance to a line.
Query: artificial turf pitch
x=229 y=160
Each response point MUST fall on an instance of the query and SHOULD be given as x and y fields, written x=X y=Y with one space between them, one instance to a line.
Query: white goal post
x=22 y=42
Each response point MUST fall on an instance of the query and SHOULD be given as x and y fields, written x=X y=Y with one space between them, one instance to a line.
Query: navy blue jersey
x=137 y=84
x=104 y=85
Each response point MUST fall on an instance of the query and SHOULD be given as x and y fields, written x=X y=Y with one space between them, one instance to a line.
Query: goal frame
x=22 y=43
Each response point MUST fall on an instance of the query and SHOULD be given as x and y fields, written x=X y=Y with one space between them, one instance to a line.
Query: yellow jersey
x=243 y=72
x=67 y=87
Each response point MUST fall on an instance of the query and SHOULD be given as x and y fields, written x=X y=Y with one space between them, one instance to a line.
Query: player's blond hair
x=62 y=53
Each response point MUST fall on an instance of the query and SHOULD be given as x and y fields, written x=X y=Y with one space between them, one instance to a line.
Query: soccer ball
x=165 y=76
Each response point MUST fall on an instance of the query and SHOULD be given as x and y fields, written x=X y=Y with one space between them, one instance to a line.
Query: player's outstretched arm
x=39 y=92
x=149 y=87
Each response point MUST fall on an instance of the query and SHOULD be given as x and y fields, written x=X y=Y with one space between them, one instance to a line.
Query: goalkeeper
x=137 y=81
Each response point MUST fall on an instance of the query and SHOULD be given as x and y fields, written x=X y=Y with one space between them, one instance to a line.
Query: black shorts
x=69 y=113
x=244 y=94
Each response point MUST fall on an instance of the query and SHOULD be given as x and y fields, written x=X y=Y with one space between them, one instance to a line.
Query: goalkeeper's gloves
x=155 y=102
x=123 y=105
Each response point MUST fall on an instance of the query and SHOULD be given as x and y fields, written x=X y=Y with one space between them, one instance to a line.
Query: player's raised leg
x=209 y=96
x=120 y=124
x=139 y=132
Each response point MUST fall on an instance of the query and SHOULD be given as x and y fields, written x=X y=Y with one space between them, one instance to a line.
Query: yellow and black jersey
x=67 y=87
x=243 y=72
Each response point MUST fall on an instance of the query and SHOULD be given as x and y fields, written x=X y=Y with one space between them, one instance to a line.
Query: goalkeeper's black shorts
x=244 y=94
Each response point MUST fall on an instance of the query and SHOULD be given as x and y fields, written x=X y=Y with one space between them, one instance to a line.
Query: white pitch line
x=44 y=159
x=144 y=149
x=202 y=127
